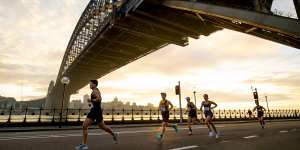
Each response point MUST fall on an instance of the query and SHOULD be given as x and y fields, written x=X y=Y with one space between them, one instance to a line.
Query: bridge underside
x=260 y=23
x=138 y=34
x=151 y=27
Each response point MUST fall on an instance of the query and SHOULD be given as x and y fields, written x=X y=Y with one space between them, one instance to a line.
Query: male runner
x=209 y=115
x=95 y=114
x=192 y=114
x=249 y=113
x=260 y=114
x=164 y=106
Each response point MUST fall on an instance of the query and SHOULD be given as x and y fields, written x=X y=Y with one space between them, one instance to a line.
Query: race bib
x=162 y=108
x=206 y=108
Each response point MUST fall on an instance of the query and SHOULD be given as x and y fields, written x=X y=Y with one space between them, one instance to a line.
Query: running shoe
x=115 y=137
x=159 y=137
x=190 y=133
x=175 y=126
x=211 y=134
x=81 y=147
x=217 y=135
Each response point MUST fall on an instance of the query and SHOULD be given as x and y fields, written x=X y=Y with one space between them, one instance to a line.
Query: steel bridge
x=111 y=34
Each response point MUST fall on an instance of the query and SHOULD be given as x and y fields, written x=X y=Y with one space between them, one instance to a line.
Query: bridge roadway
x=246 y=136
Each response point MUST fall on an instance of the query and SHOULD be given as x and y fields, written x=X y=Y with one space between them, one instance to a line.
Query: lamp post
x=65 y=81
x=266 y=97
x=195 y=98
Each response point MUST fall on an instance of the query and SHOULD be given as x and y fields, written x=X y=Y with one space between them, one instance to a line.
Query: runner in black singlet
x=95 y=115
x=260 y=114
x=192 y=114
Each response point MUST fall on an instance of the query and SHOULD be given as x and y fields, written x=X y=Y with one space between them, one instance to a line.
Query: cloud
x=33 y=38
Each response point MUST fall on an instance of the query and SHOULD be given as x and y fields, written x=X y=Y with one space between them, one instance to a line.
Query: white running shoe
x=211 y=134
x=217 y=135
x=190 y=133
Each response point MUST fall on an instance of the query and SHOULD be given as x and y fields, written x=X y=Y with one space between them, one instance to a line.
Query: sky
x=34 y=35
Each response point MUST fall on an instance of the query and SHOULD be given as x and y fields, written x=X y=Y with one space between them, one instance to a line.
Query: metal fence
x=41 y=115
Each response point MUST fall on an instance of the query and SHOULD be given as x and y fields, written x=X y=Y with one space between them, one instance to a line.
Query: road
x=244 y=136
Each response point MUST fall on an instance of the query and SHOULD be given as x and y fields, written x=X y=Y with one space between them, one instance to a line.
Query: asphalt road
x=245 y=136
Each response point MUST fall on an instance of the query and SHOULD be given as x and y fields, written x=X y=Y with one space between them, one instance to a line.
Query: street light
x=266 y=97
x=65 y=81
x=195 y=98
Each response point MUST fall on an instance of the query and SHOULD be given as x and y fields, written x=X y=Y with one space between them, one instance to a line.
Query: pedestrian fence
x=41 y=115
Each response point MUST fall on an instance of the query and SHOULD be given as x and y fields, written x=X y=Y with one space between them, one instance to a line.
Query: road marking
x=79 y=135
x=250 y=137
x=186 y=147
x=293 y=130
x=283 y=131
x=225 y=141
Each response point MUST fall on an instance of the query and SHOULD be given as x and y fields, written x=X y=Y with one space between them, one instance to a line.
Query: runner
x=192 y=114
x=260 y=113
x=209 y=115
x=95 y=114
x=249 y=113
x=164 y=107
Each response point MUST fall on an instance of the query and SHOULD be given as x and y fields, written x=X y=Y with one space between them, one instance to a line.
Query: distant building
x=50 y=87
x=85 y=98
x=75 y=104
x=34 y=104
x=7 y=102
x=85 y=104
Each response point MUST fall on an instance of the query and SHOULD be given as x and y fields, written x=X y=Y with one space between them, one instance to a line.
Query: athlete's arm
x=89 y=100
x=170 y=105
x=187 y=108
x=215 y=105
x=201 y=106
x=159 y=105
x=263 y=108
x=254 y=108
x=97 y=94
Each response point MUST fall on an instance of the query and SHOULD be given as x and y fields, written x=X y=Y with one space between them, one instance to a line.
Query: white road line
x=79 y=135
x=186 y=147
x=250 y=137
x=293 y=130
x=283 y=131
x=225 y=141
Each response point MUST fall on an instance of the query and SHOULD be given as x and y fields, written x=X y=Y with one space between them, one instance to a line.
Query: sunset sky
x=34 y=35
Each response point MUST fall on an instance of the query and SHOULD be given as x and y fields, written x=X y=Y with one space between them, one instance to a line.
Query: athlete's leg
x=263 y=120
x=107 y=129
x=209 y=118
x=259 y=119
x=85 y=127
x=164 y=125
x=189 y=125
x=214 y=127
x=207 y=123
x=195 y=121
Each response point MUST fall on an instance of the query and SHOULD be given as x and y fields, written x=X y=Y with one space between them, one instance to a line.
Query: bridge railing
x=41 y=115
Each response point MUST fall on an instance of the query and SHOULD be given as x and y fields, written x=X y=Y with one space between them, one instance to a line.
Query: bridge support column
x=297 y=7
x=263 y=5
